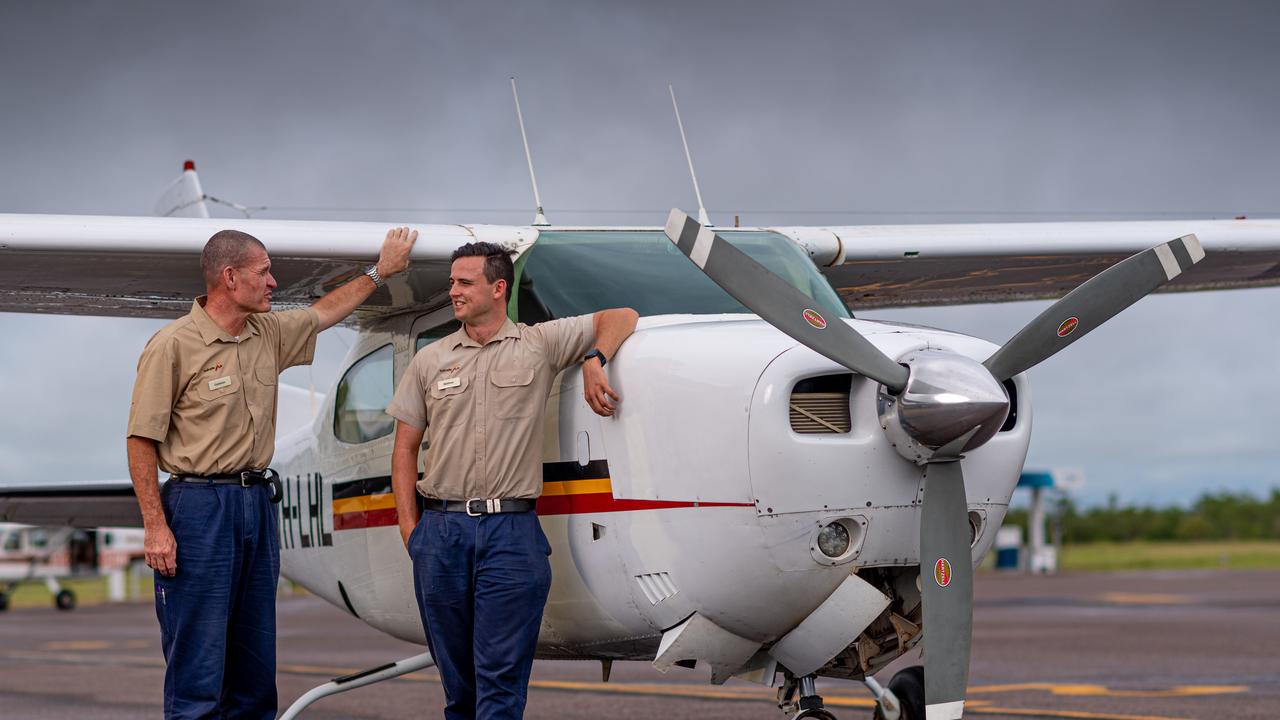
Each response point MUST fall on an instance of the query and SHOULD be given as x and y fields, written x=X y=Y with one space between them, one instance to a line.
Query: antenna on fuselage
x=702 y=211
x=538 y=217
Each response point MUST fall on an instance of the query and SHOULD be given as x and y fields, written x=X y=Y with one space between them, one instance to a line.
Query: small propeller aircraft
x=787 y=492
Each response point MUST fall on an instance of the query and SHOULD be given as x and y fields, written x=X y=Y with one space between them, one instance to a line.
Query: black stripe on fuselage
x=551 y=472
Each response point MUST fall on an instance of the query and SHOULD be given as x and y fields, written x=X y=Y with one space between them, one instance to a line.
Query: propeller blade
x=946 y=579
x=1093 y=303
x=780 y=304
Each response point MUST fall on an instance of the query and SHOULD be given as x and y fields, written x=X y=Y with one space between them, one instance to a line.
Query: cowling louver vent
x=820 y=405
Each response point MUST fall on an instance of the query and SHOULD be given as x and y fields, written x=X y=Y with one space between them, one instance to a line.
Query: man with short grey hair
x=204 y=410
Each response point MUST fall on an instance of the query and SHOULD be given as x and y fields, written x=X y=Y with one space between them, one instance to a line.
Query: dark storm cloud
x=797 y=113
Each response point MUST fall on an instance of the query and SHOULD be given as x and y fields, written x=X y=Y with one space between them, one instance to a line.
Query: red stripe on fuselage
x=364 y=519
x=547 y=505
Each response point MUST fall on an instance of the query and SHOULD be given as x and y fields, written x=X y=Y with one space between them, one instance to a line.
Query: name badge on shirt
x=451 y=382
x=220 y=383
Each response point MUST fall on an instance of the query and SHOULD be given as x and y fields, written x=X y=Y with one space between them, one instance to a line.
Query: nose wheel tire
x=814 y=714
x=65 y=600
x=908 y=686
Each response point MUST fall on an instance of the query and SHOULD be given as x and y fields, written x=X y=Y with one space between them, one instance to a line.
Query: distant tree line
x=1224 y=516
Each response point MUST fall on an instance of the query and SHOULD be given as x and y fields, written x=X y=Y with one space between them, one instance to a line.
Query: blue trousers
x=218 y=612
x=481 y=584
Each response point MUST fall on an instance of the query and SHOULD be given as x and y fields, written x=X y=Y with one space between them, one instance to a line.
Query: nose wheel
x=800 y=696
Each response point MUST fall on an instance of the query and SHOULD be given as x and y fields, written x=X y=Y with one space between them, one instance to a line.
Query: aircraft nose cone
x=946 y=396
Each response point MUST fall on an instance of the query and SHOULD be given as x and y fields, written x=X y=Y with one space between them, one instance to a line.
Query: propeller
x=779 y=303
x=934 y=406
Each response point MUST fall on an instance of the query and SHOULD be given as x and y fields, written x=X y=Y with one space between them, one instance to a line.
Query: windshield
x=574 y=273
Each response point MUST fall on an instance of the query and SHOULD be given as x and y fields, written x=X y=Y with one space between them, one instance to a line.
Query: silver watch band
x=372 y=272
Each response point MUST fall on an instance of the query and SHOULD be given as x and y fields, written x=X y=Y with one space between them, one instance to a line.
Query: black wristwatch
x=595 y=353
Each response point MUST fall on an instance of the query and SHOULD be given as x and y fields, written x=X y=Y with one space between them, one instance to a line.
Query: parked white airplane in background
x=45 y=555
x=781 y=491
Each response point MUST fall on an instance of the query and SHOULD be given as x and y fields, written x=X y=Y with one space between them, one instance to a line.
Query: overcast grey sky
x=797 y=113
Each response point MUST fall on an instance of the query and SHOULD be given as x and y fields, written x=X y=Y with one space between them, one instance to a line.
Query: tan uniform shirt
x=209 y=399
x=483 y=406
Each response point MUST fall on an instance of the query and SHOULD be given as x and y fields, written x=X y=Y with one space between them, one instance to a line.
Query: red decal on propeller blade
x=1068 y=326
x=942 y=572
x=813 y=318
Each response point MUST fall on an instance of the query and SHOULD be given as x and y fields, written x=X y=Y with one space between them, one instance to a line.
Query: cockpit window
x=363 y=394
x=573 y=273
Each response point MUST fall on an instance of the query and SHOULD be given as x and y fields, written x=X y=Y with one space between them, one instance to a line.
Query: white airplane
x=45 y=555
x=781 y=494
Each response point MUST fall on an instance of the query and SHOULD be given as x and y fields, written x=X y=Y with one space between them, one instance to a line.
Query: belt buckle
x=468 y=507
x=244 y=478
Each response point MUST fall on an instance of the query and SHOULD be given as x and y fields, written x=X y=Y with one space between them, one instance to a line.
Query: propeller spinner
x=935 y=405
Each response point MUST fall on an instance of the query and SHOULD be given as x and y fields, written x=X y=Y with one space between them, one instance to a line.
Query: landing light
x=833 y=541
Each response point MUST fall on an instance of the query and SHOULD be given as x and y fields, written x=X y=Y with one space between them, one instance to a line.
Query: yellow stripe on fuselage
x=364 y=503
x=577 y=487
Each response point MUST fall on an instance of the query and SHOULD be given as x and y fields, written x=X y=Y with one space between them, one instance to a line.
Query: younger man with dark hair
x=479 y=555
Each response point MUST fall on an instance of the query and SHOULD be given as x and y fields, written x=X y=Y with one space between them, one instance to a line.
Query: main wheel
x=65 y=600
x=908 y=687
x=4 y=602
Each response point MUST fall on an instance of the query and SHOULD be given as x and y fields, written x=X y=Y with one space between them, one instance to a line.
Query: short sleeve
x=566 y=340
x=409 y=405
x=154 y=390
x=297 y=336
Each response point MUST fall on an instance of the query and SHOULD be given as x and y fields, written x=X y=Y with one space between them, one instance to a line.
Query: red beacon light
x=189 y=165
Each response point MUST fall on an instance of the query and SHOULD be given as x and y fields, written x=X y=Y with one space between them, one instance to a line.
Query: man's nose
x=271 y=281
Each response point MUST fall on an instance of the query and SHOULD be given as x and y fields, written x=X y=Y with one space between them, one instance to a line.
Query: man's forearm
x=404 y=474
x=143 y=471
x=613 y=327
x=342 y=301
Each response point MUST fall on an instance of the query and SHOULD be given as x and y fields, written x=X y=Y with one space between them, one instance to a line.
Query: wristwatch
x=595 y=353
x=372 y=272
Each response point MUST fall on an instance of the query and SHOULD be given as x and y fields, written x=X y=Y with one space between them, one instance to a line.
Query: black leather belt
x=244 y=478
x=480 y=506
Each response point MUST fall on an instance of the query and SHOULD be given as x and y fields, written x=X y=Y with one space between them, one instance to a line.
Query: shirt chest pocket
x=217 y=388
x=448 y=401
x=511 y=394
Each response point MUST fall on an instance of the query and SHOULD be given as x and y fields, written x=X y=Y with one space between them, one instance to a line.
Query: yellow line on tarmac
x=1122 y=598
x=703 y=692
x=1085 y=690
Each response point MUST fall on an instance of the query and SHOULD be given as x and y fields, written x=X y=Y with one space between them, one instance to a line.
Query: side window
x=359 y=411
x=426 y=337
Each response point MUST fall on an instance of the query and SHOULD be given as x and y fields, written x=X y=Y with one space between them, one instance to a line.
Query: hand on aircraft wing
x=596 y=390
x=160 y=550
x=394 y=257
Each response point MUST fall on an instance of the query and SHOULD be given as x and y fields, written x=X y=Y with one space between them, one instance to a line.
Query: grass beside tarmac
x=1141 y=555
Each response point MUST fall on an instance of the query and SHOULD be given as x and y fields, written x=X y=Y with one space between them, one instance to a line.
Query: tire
x=814 y=714
x=65 y=600
x=908 y=686
x=4 y=602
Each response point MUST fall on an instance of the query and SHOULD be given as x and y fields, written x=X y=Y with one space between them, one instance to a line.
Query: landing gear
x=64 y=600
x=4 y=601
x=907 y=687
x=359 y=679
x=800 y=695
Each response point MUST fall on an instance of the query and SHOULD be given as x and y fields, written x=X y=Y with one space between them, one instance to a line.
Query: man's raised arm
x=340 y=302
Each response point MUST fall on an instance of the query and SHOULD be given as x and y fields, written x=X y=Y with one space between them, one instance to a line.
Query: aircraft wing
x=900 y=265
x=149 y=267
x=56 y=504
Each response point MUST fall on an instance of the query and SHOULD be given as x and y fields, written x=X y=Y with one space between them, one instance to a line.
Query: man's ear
x=228 y=275
x=500 y=285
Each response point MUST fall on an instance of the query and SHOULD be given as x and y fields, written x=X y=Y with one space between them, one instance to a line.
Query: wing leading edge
x=149 y=267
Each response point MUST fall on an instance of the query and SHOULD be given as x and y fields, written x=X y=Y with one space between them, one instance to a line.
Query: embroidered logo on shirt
x=213 y=368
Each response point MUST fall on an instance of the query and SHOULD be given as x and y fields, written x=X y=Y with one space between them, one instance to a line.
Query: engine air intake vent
x=820 y=405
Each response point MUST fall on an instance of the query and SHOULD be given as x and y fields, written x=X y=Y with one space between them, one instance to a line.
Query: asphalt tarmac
x=1095 y=647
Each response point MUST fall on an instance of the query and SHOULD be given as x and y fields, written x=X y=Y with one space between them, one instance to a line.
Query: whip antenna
x=538 y=217
x=702 y=211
